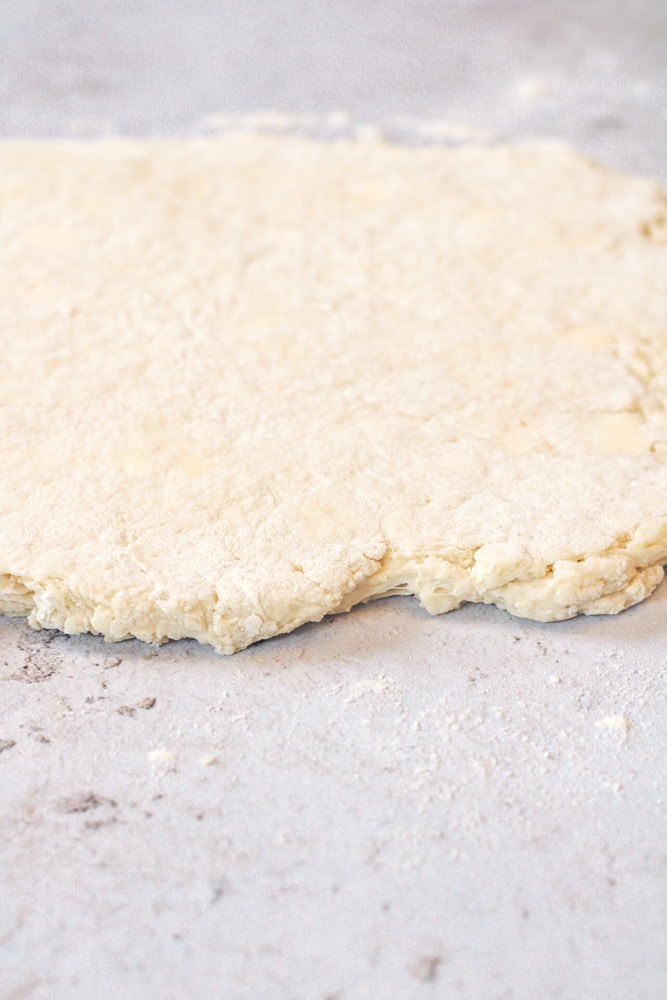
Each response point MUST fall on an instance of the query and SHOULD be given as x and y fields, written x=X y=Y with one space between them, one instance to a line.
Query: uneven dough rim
x=608 y=583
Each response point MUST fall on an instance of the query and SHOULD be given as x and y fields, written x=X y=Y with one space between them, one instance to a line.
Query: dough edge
x=502 y=574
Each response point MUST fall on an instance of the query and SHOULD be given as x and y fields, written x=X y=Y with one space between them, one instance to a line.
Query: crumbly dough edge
x=502 y=574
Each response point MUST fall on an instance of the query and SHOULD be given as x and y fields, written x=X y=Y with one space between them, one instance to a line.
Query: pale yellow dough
x=247 y=382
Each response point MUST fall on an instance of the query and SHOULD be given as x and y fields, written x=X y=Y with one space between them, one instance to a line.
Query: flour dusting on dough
x=249 y=381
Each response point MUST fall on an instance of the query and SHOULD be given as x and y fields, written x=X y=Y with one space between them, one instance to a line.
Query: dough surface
x=249 y=381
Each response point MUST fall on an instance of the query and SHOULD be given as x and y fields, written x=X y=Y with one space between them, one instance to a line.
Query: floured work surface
x=247 y=382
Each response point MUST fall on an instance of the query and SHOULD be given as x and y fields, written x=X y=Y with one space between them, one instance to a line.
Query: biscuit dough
x=249 y=381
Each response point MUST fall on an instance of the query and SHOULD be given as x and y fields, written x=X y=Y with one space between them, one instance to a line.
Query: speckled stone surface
x=384 y=804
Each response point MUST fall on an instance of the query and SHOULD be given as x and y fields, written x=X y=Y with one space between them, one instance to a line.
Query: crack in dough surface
x=251 y=381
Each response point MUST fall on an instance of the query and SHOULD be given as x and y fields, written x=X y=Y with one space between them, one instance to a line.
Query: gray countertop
x=384 y=805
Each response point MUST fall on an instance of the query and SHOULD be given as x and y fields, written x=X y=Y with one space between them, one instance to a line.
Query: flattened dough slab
x=250 y=381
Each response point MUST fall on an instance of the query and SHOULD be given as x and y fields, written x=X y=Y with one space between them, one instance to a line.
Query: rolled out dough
x=250 y=381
